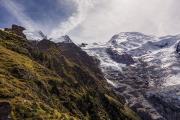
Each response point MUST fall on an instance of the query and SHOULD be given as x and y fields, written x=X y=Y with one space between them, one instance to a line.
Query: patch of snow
x=63 y=39
x=112 y=83
x=38 y=35
x=33 y=35
x=106 y=63
x=173 y=80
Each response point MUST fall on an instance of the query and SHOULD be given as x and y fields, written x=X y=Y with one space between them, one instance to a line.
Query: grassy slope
x=49 y=84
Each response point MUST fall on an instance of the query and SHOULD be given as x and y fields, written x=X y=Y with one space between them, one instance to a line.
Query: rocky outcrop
x=18 y=30
x=166 y=101
x=132 y=84
x=83 y=45
x=123 y=58
x=5 y=110
x=67 y=39
x=178 y=48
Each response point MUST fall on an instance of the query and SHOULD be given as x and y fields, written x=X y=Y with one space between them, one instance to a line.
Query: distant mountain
x=135 y=63
x=44 y=80
x=39 y=35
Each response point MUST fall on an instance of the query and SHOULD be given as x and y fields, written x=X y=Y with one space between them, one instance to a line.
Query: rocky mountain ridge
x=44 y=80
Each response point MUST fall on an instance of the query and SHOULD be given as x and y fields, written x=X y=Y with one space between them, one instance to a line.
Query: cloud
x=158 y=17
x=99 y=20
x=17 y=10
x=59 y=17
x=83 y=6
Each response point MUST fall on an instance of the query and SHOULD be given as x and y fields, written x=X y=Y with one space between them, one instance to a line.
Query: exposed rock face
x=45 y=44
x=132 y=83
x=18 y=30
x=67 y=39
x=83 y=45
x=43 y=35
x=120 y=58
x=178 y=48
x=63 y=39
x=5 y=110
x=166 y=101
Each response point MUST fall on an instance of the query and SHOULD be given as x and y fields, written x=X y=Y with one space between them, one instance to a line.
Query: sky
x=92 y=20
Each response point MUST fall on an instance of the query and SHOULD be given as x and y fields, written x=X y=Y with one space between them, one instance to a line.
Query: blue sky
x=47 y=12
x=6 y=18
x=92 y=20
x=42 y=12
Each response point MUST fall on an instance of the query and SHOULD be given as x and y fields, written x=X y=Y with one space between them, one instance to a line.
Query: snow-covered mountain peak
x=127 y=41
x=123 y=37
x=34 y=35
x=63 y=39
x=38 y=35
x=156 y=51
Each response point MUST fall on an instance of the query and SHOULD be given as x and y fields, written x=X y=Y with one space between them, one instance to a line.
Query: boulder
x=18 y=30
x=5 y=110
x=123 y=58
x=83 y=45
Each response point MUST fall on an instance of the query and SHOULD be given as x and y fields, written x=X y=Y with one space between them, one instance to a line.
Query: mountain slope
x=47 y=80
x=140 y=67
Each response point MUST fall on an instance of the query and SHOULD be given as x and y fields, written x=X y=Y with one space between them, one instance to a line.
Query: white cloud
x=98 y=20
x=17 y=10
x=83 y=6
x=159 y=17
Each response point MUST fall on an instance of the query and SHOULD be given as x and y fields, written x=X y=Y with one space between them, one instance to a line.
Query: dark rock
x=120 y=58
x=83 y=45
x=43 y=35
x=5 y=110
x=95 y=43
x=21 y=73
x=137 y=105
x=18 y=30
x=178 y=48
x=166 y=101
x=45 y=44
x=67 y=39
x=113 y=40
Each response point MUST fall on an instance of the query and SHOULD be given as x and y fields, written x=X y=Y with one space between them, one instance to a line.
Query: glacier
x=151 y=84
